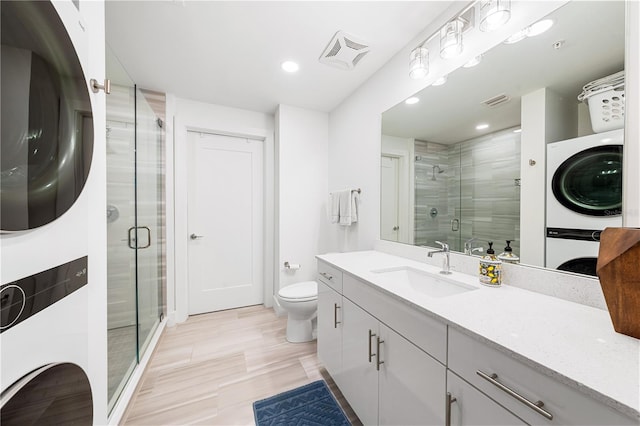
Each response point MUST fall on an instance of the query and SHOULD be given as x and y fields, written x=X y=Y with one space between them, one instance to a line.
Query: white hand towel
x=334 y=207
x=348 y=207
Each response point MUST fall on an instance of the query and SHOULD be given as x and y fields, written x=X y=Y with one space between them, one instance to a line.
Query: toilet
x=300 y=300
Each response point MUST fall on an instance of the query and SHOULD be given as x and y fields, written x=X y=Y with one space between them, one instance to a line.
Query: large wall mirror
x=445 y=177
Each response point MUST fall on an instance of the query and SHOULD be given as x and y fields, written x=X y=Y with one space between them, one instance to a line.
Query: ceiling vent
x=344 y=51
x=497 y=100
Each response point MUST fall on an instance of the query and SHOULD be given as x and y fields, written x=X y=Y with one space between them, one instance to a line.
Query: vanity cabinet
x=330 y=330
x=468 y=406
x=529 y=394
x=387 y=379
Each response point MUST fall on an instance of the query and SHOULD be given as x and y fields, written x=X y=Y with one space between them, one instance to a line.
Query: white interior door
x=389 y=172
x=225 y=214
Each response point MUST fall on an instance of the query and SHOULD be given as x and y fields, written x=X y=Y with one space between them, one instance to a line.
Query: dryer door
x=47 y=126
x=590 y=182
x=55 y=394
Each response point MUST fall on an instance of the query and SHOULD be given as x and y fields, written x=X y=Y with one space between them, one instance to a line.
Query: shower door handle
x=455 y=225
x=132 y=239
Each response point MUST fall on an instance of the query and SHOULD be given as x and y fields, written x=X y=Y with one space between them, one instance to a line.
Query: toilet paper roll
x=294 y=266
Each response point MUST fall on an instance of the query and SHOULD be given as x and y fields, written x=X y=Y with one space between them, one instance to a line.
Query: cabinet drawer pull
x=535 y=406
x=327 y=276
x=335 y=315
x=371 y=335
x=447 y=416
x=378 y=362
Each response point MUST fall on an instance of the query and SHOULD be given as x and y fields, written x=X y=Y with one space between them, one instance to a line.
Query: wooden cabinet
x=330 y=330
x=468 y=406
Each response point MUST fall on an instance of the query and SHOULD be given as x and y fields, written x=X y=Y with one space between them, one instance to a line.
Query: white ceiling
x=592 y=35
x=229 y=52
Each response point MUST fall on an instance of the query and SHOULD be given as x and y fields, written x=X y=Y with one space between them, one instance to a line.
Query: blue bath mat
x=311 y=404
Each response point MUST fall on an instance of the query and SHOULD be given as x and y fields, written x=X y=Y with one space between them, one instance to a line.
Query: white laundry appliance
x=46 y=152
x=584 y=196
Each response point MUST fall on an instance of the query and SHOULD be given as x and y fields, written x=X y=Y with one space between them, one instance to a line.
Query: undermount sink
x=433 y=285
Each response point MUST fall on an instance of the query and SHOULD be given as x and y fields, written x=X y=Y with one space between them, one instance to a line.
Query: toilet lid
x=303 y=291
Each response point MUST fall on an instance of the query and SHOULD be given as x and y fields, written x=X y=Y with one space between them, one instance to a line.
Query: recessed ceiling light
x=290 y=66
x=439 y=82
x=540 y=27
x=473 y=62
x=520 y=35
x=412 y=100
x=517 y=131
x=482 y=126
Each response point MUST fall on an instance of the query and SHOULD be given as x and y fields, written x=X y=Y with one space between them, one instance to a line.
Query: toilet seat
x=299 y=292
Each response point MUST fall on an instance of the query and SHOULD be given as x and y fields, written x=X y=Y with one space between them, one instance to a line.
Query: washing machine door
x=47 y=126
x=55 y=394
x=590 y=182
x=580 y=265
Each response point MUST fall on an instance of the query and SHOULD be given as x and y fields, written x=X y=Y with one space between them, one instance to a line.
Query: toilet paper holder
x=292 y=266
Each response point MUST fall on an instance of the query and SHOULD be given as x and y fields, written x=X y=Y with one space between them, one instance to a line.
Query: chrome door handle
x=535 y=406
x=448 y=401
x=131 y=240
x=371 y=335
x=378 y=362
x=195 y=237
x=148 y=236
x=395 y=228
x=335 y=315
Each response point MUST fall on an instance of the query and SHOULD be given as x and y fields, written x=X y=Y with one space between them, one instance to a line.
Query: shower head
x=433 y=177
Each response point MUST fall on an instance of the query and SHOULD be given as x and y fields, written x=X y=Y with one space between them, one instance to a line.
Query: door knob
x=395 y=228
x=195 y=237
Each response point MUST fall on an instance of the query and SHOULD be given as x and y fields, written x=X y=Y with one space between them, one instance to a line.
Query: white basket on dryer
x=605 y=98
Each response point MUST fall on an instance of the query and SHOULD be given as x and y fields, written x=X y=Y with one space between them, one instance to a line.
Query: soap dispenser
x=508 y=256
x=490 y=272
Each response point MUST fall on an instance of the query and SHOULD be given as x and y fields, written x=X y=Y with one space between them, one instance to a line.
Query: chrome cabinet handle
x=535 y=406
x=371 y=335
x=195 y=237
x=378 y=362
x=327 y=276
x=447 y=409
x=335 y=315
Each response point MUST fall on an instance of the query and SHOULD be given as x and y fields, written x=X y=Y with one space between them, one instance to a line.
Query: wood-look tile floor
x=210 y=369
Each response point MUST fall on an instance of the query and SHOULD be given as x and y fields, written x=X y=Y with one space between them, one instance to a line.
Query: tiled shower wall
x=479 y=187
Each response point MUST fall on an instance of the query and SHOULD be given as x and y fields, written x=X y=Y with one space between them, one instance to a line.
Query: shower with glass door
x=135 y=224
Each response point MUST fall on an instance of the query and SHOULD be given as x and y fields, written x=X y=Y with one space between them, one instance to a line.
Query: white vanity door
x=411 y=383
x=472 y=407
x=330 y=330
x=359 y=378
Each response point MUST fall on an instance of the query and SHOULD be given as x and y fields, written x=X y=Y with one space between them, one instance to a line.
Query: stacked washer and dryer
x=584 y=196
x=46 y=152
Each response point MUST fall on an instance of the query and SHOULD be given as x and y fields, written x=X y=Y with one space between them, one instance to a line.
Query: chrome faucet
x=468 y=247
x=445 y=260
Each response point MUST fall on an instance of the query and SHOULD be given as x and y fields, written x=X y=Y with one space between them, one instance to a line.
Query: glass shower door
x=135 y=226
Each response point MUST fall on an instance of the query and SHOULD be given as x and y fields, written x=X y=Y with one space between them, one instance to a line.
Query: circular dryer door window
x=47 y=125
x=590 y=182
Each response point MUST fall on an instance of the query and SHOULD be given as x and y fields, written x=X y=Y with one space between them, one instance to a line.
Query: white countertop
x=573 y=343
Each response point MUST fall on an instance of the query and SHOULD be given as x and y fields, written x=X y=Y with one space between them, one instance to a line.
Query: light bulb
x=494 y=14
x=451 y=39
x=419 y=63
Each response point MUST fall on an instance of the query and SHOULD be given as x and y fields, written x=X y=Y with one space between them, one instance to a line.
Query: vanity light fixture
x=473 y=62
x=494 y=14
x=412 y=100
x=290 y=66
x=439 y=82
x=451 y=39
x=419 y=63
x=482 y=126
